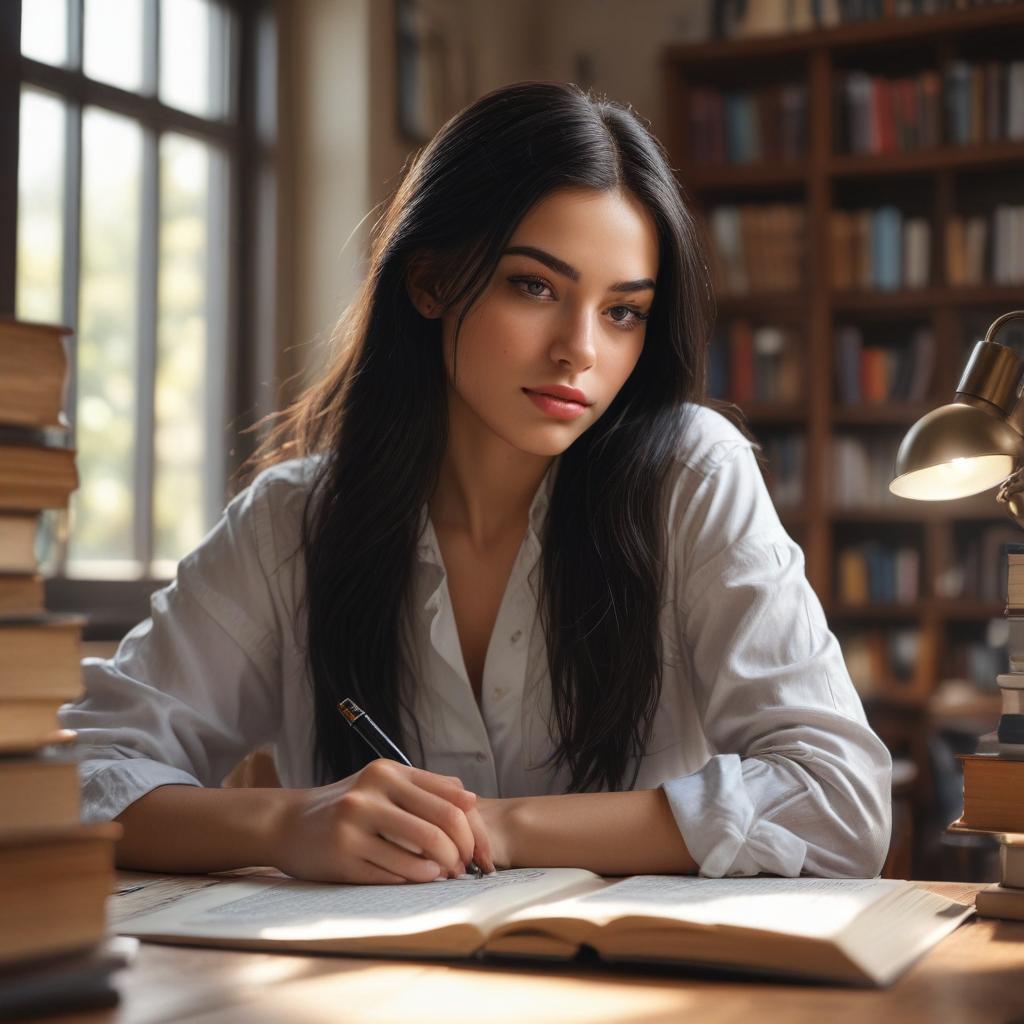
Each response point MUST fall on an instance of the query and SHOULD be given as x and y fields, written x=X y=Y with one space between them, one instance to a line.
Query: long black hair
x=378 y=418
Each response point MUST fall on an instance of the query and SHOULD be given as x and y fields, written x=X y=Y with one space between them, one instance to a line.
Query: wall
x=325 y=136
x=340 y=125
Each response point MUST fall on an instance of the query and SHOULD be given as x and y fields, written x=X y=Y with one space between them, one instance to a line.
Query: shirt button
x=516 y=635
x=481 y=756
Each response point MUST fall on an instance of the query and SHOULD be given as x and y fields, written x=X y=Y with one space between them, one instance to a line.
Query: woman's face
x=566 y=308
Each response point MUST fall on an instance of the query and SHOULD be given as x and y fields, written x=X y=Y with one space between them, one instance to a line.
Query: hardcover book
x=858 y=931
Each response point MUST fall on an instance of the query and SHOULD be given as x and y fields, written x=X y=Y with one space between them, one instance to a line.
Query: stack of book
x=994 y=777
x=55 y=872
x=986 y=249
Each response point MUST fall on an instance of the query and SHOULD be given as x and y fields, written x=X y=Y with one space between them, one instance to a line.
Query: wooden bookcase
x=940 y=181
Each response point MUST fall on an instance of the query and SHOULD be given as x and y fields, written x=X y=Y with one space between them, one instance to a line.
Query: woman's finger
x=385 y=856
x=438 y=811
x=448 y=787
x=391 y=819
x=482 y=844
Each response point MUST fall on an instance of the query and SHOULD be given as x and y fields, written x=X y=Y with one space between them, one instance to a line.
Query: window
x=137 y=158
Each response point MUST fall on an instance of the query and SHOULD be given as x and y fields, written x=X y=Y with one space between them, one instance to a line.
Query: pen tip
x=349 y=709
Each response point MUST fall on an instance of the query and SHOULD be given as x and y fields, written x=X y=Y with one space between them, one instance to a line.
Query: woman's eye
x=627 y=316
x=532 y=286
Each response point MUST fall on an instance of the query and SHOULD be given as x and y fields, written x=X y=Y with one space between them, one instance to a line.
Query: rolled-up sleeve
x=194 y=687
x=798 y=781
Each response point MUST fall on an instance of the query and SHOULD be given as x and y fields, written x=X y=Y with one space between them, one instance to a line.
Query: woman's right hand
x=386 y=824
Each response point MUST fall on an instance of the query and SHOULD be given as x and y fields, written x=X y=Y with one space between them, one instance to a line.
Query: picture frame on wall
x=432 y=66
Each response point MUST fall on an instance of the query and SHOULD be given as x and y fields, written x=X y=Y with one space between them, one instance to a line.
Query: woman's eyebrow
x=569 y=271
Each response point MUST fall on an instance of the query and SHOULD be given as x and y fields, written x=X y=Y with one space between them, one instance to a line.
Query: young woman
x=507 y=524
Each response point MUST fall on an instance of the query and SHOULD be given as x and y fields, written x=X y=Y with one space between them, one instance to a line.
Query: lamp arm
x=1011 y=490
x=1011 y=496
x=997 y=325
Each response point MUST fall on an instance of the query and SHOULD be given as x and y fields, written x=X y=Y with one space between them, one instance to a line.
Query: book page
x=813 y=907
x=281 y=910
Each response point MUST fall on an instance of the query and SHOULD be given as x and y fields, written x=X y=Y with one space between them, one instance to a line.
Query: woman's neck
x=485 y=487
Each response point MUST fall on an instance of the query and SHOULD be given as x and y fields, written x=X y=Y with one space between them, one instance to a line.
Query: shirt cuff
x=108 y=787
x=717 y=821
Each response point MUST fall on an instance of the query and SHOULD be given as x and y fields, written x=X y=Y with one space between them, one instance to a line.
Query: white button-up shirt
x=759 y=738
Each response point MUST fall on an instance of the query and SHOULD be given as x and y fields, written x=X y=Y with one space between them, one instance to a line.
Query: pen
x=378 y=740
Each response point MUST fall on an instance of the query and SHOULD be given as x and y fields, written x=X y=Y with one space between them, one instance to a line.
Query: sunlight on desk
x=452 y=995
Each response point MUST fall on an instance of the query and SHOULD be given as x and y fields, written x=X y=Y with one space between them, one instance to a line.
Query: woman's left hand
x=489 y=820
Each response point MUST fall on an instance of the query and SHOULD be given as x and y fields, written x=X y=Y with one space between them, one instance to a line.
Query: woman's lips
x=558 y=408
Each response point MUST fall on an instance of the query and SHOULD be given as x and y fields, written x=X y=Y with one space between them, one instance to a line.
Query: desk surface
x=975 y=974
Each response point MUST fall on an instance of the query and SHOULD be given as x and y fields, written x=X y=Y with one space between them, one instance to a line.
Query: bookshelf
x=934 y=184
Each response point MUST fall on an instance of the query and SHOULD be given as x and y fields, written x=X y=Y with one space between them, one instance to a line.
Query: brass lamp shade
x=955 y=451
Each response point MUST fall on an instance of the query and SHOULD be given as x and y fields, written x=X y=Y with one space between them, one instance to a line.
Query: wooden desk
x=975 y=974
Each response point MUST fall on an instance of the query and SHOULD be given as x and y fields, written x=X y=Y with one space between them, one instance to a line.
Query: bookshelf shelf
x=876 y=611
x=782 y=305
x=924 y=300
x=923 y=512
x=930 y=186
x=844 y=40
x=746 y=177
x=924 y=162
x=882 y=414
x=775 y=413
x=963 y=610
x=921 y=300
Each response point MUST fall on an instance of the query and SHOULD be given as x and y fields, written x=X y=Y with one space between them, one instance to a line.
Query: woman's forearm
x=630 y=833
x=192 y=829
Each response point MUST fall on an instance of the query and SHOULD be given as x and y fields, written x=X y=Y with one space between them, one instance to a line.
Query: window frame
x=246 y=136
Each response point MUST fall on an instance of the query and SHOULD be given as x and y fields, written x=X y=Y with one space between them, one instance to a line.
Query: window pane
x=113 y=42
x=195 y=48
x=191 y=258
x=44 y=30
x=101 y=540
x=40 y=207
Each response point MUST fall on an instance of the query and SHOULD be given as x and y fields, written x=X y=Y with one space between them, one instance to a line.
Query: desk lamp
x=968 y=447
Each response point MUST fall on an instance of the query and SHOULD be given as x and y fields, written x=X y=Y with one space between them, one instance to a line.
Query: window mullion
x=10 y=112
x=145 y=372
x=71 y=272
x=76 y=36
x=151 y=47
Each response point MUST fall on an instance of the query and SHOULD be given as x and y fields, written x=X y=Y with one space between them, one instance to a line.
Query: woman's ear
x=422 y=296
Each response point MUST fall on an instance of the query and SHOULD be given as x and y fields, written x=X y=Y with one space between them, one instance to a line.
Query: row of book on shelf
x=735 y=126
x=757 y=248
x=885 y=659
x=888 y=114
x=746 y=20
x=55 y=871
x=879 y=248
x=876 y=572
x=881 y=660
x=786 y=457
x=877 y=373
x=986 y=248
x=760 y=248
x=861 y=468
x=755 y=363
x=983 y=102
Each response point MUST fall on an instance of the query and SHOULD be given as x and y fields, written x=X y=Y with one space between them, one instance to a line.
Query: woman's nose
x=575 y=344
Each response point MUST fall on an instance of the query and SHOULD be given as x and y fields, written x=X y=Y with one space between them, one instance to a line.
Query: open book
x=862 y=931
